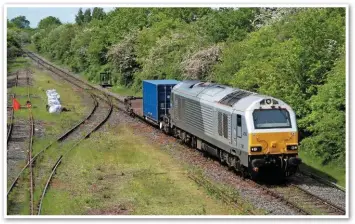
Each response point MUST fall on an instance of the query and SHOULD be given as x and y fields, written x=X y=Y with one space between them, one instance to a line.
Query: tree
x=79 y=18
x=48 y=22
x=13 y=44
x=227 y=23
x=326 y=122
x=21 y=22
x=98 y=13
x=10 y=25
x=187 y=15
x=87 y=15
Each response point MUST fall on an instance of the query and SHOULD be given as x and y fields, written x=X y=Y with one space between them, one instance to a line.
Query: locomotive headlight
x=268 y=101
x=292 y=147
x=255 y=149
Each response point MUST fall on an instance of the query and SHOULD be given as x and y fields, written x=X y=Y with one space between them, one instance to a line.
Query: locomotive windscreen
x=271 y=118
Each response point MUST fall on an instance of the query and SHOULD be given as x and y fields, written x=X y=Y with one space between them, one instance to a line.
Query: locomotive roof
x=217 y=93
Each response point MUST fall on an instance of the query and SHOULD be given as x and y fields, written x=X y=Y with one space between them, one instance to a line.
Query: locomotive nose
x=274 y=143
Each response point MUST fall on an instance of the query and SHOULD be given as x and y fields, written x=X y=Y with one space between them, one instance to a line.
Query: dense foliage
x=48 y=22
x=295 y=54
x=18 y=34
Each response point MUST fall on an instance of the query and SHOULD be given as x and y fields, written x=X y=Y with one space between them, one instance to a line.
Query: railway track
x=93 y=123
x=84 y=127
x=226 y=198
x=301 y=200
x=10 y=117
x=30 y=144
x=20 y=132
x=10 y=110
x=102 y=106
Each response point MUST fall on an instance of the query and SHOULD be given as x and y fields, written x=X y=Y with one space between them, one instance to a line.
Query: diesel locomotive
x=248 y=132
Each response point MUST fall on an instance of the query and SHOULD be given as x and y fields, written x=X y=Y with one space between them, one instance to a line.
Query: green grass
x=17 y=63
x=54 y=123
x=124 y=91
x=19 y=201
x=117 y=173
x=31 y=47
x=331 y=171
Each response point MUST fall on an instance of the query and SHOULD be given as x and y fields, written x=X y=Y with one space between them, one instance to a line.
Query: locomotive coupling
x=293 y=161
x=257 y=163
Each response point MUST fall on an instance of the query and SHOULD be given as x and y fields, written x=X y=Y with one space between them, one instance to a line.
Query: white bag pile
x=53 y=101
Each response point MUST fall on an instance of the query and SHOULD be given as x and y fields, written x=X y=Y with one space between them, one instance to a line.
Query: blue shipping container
x=156 y=98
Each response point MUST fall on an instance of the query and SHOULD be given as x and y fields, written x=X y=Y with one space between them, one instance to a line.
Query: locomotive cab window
x=271 y=118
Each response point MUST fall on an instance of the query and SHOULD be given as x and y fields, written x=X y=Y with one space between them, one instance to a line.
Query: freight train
x=251 y=133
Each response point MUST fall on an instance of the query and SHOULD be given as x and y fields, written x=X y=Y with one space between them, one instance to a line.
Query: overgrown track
x=226 y=198
x=88 y=126
x=10 y=111
x=10 y=118
x=18 y=134
x=31 y=160
x=303 y=201
x=30 y=144
x=59 y=139
x=94 y=126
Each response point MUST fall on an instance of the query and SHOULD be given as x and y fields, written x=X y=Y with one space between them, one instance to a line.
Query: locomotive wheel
x=243 y=172
x=193 y=142
x=221 y=157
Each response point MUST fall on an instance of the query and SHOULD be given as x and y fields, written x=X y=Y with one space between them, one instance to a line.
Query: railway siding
x=46 y=128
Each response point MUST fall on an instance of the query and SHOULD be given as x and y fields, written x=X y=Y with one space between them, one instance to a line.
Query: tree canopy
x=48 y=22
x=21 y=22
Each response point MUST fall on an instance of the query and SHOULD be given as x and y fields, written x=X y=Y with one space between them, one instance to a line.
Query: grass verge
x=117 y=173
x=332 y=172
x=124 y=91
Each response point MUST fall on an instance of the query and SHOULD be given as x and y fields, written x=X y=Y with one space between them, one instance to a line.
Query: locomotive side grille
x=176 y=107
x=220 y=123
x=225 y=126
x=234 y=97
x=199 y=116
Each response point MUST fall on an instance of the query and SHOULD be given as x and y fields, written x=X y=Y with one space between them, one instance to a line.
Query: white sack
x=55 y=109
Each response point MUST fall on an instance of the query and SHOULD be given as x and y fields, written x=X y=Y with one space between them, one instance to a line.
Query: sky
x=34 y=15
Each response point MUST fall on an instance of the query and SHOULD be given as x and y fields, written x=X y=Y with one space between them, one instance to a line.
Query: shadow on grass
x=312 y=170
